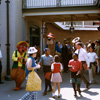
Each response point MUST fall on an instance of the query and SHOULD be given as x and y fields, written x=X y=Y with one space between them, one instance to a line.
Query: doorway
x=34 y=36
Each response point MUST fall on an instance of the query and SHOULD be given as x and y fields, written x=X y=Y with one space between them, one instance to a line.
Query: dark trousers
x=82 y=74
x=47 y=84
x=0 y=70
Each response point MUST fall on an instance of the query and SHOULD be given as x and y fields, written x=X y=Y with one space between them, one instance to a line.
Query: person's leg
x=53 y=90
x=90 y=75
x=58 y=85
x=78 y=88
x=50 y=87
x=27 y=96
x=94 y=72
x=46 y=86
x=34 y=95
x=74 y=88
x=84 y=79
x=20 y=77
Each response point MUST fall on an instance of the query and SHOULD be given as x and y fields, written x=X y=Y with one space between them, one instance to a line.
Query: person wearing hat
x=52 y=45
x=19 y=58
x=31 y=65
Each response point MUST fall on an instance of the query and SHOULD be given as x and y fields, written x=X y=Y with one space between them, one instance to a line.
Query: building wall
x=15 y=28
x=30 y=21
x=61 y=34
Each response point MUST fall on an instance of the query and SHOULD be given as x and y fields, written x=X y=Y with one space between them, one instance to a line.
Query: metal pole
x=8 y=44
x=0 y=1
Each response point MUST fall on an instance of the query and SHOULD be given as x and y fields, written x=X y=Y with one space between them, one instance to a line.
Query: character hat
x=32 y=50
x=23 y=42
x=50 y=35
x=75 y=39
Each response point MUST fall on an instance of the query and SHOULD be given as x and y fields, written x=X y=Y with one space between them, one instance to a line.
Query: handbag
x=33 y=82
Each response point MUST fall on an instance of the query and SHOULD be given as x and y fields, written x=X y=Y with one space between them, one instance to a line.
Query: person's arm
x=80 y=65
x=61 y=68
x=29 y=65
x=41 y=61
x=52 y=68
x=15 y=59
x=97 y=59
x=70 y=65
x=86 y=59
x=97 y=62
x=25 y=58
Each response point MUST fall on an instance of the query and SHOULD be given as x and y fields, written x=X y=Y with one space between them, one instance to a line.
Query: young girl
x=93 y=58
x=31 y=65
x=56 y=68
x=75 y=67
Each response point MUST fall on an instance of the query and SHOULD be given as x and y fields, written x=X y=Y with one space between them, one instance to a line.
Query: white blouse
x=92 y=57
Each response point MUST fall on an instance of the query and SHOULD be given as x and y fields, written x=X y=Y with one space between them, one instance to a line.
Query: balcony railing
x=57 y=3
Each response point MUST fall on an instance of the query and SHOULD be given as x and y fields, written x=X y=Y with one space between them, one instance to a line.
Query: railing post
x=58 y=3
x=24 y=3
x=99 y=3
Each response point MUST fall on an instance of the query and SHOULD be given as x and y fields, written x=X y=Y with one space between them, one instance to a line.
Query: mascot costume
x=52 y=45
x=19 y=58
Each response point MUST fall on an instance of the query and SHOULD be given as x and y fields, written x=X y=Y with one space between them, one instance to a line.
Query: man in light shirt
x=83 y=57
x=0 y=66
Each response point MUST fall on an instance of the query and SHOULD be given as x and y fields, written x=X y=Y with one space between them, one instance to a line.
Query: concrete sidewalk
x=93 y=93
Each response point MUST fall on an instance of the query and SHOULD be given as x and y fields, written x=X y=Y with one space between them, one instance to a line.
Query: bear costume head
x=22 y=47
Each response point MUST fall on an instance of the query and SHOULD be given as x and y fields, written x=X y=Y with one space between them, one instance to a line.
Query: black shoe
x=1 y=82
x=53 y=97
x=59 y=96
x=79 y=91
x=87 y=85
x=75 y=94
x=44 y=93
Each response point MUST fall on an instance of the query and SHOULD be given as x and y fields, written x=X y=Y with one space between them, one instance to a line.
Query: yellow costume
x=18 y=69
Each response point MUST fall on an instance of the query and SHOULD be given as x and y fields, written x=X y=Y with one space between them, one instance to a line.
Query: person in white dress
x=93 y=61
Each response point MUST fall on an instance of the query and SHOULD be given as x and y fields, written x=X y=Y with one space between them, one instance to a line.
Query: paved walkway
x=93 y=93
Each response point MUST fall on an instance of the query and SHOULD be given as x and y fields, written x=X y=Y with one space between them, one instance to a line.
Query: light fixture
x=72 y=27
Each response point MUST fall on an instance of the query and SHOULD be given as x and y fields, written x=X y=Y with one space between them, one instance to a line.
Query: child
x=75 y=67
x=56 y=68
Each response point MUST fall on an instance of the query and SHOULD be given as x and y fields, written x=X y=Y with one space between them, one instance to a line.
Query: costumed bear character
x=19 y=58
x=52 y=45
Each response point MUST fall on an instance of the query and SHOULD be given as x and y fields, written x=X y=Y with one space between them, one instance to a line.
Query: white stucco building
x=27 y=23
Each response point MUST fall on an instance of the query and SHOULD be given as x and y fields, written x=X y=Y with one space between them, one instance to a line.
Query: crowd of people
x=75 y=57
